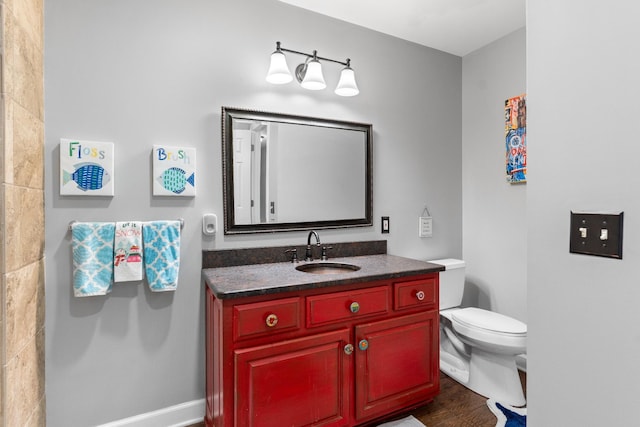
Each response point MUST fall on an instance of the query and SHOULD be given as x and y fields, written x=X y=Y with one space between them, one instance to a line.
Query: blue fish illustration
x=175 y=180
x=88 y=176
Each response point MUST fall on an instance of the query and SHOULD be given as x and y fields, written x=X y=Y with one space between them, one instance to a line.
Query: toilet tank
x=451 y=282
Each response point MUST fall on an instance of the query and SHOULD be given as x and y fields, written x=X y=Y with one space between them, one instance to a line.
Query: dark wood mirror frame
x=230 y=224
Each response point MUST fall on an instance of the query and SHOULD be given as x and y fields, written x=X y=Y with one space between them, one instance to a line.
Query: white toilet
x=478 y=348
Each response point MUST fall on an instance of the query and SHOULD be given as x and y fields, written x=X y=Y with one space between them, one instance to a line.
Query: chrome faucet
x=308 y=256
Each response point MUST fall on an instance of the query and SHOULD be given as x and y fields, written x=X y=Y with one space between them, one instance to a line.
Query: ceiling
x=454 y=26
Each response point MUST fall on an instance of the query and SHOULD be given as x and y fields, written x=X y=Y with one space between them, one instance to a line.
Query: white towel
x=127 y=258
x=92 y=245
x=162 y=254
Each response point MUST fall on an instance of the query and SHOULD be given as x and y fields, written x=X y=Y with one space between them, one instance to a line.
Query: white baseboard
x=180 y=415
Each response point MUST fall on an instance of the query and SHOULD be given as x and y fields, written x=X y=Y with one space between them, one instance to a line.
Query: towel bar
x=179 y=219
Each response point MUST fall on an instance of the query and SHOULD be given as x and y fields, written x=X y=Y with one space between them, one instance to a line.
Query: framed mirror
x=284 y=172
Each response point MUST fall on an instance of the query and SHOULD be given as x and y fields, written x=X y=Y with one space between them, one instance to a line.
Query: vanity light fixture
x=278 y=70
x=309 y=73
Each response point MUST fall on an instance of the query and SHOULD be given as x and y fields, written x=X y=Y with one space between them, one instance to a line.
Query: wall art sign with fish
x=174 y=171
x=86 y=168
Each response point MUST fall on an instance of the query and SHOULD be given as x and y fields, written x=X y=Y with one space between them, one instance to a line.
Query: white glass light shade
x=313 y=78
x=347 y=85
x=278 y=70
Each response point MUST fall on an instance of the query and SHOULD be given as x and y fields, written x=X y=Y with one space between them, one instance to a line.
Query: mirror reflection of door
x=242 y=175
x=270 y=186
x=255 y=195
x=256 y=155
x=263 y=194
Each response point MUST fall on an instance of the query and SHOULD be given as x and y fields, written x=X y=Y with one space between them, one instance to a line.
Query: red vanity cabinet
x=397 y=363
x=334 y=356
x=299 y=382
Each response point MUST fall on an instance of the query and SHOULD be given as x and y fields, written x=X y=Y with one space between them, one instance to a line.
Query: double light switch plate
x=596 y=234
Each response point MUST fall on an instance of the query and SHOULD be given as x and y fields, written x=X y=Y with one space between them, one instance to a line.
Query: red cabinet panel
x=267 y=317
x=416 y=293
x=397 y=363
x=340 y=306
x=295 y=383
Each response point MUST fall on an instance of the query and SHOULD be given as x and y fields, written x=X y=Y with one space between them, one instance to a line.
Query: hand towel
x=127 y=260
x=92 y=245
x=161 y=240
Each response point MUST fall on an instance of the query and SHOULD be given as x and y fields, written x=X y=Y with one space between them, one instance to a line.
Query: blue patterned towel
x=92 y=244
x=161 y=240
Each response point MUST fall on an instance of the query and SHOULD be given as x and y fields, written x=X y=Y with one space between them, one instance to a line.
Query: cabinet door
x=301 y=382
x=397 y=363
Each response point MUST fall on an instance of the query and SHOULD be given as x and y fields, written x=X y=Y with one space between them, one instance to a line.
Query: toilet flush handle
x=420 y=295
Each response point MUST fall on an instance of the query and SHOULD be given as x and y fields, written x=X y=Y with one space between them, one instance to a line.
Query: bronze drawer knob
x=348 y=349
x=354 y=307
x=272 y=320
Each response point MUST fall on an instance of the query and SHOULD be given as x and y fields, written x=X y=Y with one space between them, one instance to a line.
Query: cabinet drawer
x=267 y=317
x=416 y=293
x=339 y=306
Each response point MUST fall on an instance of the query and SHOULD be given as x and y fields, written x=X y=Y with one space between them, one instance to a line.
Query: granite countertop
x=263 y=279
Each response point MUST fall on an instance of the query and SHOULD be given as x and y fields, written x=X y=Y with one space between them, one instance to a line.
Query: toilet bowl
x=478 y=348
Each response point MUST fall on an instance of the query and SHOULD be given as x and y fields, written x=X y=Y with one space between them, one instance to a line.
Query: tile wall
x=22 y=397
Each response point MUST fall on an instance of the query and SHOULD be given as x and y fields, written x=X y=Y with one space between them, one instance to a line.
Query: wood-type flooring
x=455 y=406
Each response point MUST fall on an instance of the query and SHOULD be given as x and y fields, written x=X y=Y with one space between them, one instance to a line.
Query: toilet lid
x=477 y=318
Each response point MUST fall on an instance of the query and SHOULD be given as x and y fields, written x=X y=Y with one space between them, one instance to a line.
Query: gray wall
x=494 y=211
x=140 y=73
x=584 y=328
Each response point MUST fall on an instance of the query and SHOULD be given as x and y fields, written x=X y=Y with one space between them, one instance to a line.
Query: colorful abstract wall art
x=515 y=129
x=86 y=168
x=174 y=171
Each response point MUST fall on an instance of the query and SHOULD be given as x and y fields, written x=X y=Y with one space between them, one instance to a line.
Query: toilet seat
x=478 y=318
x=492 y=328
